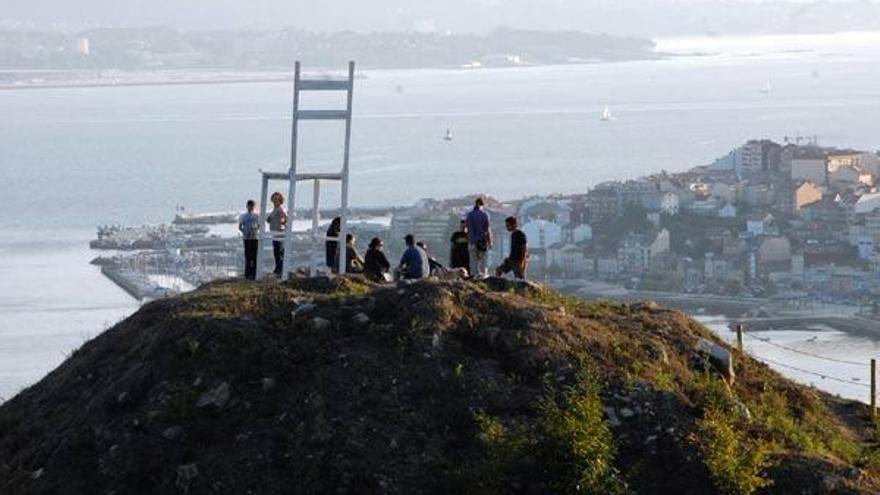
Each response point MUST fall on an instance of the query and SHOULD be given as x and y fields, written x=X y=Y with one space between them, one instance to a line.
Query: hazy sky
x=635 y=17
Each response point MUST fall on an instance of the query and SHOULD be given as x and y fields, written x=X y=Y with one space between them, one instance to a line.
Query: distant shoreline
x=268 y=78
x=129 y=84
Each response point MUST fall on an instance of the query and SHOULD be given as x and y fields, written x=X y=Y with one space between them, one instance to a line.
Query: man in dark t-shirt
x=518 y=260
x=459 y=255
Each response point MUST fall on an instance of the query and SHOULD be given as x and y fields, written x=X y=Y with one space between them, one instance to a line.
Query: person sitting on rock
x=459 y=254
x=518 y=260
x=414 y=262
x=353 y=261
x=376 y=265
x=434 y=266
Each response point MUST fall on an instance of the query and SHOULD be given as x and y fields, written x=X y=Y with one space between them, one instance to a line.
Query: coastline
x=139 y=83
x=190 y=77
x=742 y=310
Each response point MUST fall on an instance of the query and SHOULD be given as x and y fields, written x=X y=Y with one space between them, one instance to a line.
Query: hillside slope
x=319 y=386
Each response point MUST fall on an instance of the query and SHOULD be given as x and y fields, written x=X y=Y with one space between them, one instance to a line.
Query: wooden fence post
x=739 y=337
x=873 y=387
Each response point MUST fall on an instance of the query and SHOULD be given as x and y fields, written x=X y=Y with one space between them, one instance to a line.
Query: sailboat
x=606 y=114
x=448 y=136
x=767 y=89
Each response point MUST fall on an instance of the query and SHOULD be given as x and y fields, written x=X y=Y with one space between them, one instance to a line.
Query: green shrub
x=710 y=392
x=771 y=410
x=580 y=441
x=505 y=451
x=569 y=449
x=735 y=463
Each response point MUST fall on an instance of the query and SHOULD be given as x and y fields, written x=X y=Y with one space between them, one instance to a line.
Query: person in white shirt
x=277 y=221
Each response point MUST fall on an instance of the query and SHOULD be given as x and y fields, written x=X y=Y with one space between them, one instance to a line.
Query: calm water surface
x=71 y=159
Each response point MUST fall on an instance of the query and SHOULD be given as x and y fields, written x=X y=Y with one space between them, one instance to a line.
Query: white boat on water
x=448 y=136
x=606 y=114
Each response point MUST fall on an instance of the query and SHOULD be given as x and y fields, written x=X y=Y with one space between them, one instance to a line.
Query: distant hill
x=437 y=387
x=642 y=18
x=163 y=48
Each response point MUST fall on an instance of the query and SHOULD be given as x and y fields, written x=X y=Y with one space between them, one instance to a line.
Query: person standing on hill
x=459 y=256
x=249 y=226
x=277 y=221
x=332 y=246
x=376 y=264
x=518 y=260
x=479 y=230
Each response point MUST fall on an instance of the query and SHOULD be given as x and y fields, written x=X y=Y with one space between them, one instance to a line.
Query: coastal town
x=794 y=222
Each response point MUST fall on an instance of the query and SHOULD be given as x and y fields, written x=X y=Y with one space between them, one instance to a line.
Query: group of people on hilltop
x=249 y=226
x=468 y=253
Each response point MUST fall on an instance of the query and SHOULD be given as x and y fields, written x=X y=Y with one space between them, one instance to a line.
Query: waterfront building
x=727 y=211
x=842 y=159
x=607 y=267
x=541 y=233
x=581 y=233
x=569 y=261
x=849 y=178
x=604 y=202
x=669 y=204
x=755 y=225
x=775 y=251
x=804 y=194
x=706 y=207
x=757 y=156
x=811 y=169
x=867 y=203
x=83 y=47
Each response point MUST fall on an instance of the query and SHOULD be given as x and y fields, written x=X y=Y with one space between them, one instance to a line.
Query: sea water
x=71 y=159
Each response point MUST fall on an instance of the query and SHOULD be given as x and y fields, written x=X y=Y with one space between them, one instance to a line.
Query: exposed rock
x=627 y=413
x=319 y=324
x=186 y=473
x=217 y=397
x=648 y=305
x=611 y=414
x=720 y=358
x=302 y=310
x=172 y=432
x=268 y=384
x=361 y=319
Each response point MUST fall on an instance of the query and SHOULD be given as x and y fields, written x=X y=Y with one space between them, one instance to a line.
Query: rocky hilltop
x=320 y=386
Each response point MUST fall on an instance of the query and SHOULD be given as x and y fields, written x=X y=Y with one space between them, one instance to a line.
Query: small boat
x=606 y=114
x=448 y=136
x=767 y=89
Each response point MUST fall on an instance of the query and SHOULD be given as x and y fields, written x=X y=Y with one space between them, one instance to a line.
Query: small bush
x=581 y=441
x=710 y=392
x=735 y=464
x=505 y=450
x=570 y=449
x=771 y=410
